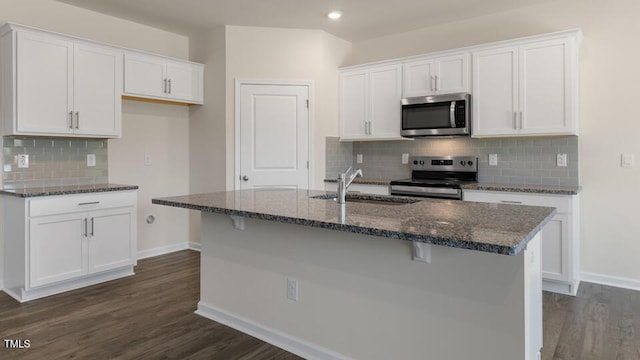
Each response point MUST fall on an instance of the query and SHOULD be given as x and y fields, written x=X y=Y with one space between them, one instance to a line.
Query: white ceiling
x=363 y=19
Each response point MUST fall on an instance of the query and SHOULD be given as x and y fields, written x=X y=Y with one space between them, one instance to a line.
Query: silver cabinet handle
x=169 y=86
x=89 y=203
x=77 y=120
x=93 y=227
x=515 y=126
x=245 y=178
x=164 y=86
x=436 y=82
x=366 y=128
x=85 y=227
x=510 y=202
x=71 y=120
x=431 y=82
x=370 y=128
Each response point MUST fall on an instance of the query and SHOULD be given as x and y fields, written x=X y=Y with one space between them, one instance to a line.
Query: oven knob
x=415 y=162
x=421 y=162
x=470 y=163
x=462 y=163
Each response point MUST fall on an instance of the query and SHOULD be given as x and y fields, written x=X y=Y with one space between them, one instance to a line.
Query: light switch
x=493 y=159
x=23 y=161
x=147 y=160
x=359 y=158
x=628 y=160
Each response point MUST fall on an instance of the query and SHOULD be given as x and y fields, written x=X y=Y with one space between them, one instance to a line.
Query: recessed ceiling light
x=334 y=15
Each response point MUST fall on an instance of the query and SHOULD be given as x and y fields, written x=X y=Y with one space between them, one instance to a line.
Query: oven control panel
x=444 y=163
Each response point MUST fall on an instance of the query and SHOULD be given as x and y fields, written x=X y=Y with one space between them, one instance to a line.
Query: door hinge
x=307 y=103
x=307 y=164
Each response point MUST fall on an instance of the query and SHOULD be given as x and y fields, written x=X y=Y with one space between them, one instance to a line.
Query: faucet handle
x=348 y=170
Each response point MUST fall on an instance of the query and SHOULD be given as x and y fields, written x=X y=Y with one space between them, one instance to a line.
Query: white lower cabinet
x=360 y=188
x=560 y=241
x=58 y=243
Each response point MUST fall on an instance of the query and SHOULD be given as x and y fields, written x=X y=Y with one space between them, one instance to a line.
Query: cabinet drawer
x=51 y=205
x=561 y=202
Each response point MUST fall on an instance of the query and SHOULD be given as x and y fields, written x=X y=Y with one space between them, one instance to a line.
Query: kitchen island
x=332 y=281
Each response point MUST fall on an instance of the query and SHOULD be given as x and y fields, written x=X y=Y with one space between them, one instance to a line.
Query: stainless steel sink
x=370 y=199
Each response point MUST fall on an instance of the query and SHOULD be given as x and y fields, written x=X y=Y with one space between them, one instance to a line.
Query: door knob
x=245 y=178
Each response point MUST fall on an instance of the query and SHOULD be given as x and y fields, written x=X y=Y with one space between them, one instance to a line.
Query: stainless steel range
x=438 y=176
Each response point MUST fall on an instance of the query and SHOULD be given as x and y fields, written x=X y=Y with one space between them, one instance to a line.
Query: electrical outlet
x=23 y=161
x=627 y=161
x=359 y=158
x=561 y=160
x=147 y=160
x=405 y=158
x=292 y=289
x=493 y=159
x=91 y=160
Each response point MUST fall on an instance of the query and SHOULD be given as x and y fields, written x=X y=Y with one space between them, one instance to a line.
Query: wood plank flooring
x=145 y=316
x=150 y=316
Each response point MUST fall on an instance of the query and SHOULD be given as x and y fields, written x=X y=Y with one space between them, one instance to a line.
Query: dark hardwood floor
x=146 y=316
x=150 y=316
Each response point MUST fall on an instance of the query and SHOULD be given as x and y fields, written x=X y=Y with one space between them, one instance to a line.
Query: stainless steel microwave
x=437 y=115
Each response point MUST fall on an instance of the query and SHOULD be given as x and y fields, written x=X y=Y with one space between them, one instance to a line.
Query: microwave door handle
x=452 y=114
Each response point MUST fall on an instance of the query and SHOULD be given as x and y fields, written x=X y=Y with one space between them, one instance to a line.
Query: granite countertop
x=364 y=180
x=537 y=189
x=497 y=228
x=66 y=190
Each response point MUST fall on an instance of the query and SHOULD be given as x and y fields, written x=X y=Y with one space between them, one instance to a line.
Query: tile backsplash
x=53 y=162
x=520 y=160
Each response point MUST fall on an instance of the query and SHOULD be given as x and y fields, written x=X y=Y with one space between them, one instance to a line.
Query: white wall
x=287 y=54
x=609 y=75
x=159 y=130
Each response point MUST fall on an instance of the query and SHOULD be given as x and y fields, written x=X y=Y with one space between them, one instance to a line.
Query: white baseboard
x=274 y=337
x=143 y=254
x=194 y=246
x=625 y=283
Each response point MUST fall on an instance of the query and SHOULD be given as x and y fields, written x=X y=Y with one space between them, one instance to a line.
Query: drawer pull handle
x=85 y=227
x=89 y=203
x=511 y=202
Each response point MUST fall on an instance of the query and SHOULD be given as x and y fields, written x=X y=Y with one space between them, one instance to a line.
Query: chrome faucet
x=344 y=180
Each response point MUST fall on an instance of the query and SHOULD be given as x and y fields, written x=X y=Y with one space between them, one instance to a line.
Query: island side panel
x=362 y=296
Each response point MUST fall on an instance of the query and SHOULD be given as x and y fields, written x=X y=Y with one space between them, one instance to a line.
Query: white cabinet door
x=44 y=84
x=442 y=75
x=144 y=75
x=161 y=78
x=184 y=81
x=97 y=90
x=56 y=246
x=555 y=258
x=385 y=93
x=495 y=94
x=418 y=78
x=111 y=242
x=452 y=74
x=546 y=91
x=354 y=104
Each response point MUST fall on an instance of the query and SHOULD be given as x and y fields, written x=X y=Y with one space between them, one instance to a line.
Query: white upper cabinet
x=370 y=103
x=53 y=85
x=526 y=89
x=440 y=75
x=155 y=77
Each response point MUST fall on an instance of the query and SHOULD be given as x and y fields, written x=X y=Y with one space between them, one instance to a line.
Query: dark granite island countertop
x=66 y=190
x=495 y=228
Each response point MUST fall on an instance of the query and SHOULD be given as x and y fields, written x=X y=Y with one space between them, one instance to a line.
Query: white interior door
x=274 y=136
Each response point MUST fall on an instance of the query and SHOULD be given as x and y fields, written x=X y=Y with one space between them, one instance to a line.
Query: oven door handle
x=452 y=114
x=425 y=191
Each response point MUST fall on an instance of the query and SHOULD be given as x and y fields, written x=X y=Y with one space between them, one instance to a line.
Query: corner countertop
x=66 y=190
x=534 y=189
x=496 y=228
